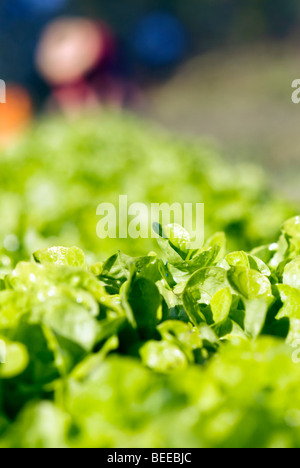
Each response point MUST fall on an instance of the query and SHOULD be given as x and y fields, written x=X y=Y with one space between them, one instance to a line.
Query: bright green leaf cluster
x=190 y=348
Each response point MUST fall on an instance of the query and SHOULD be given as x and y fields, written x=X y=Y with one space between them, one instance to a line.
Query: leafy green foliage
x=52 y=182
x=192 y=349
x=178 y=348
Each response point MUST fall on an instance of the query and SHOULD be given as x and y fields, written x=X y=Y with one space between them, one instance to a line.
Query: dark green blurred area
x=208 y=25
x=209 y=22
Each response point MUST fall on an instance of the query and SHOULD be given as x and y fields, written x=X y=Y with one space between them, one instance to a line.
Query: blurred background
x=219 y=68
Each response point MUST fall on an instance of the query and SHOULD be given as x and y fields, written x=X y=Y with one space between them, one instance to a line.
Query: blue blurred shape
x=159 y=39
x=39 y=6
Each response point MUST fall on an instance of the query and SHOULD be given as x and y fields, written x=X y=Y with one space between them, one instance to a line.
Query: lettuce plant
x=52 y=182
x=174 y=349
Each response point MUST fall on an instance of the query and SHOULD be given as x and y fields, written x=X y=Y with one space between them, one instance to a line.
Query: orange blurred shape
x=15 y=114
x=68 y=49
